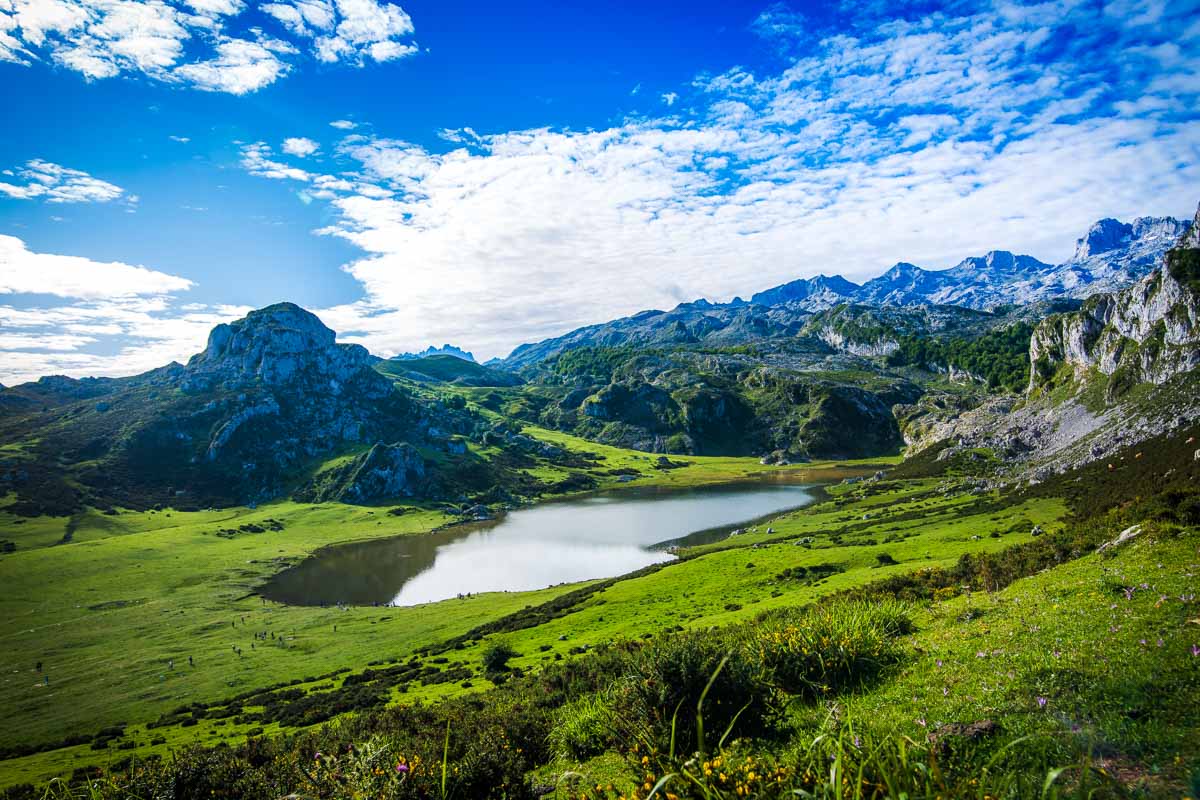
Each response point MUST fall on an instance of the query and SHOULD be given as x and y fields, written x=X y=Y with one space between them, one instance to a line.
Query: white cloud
x=922 y=127
x=239 y=67
x=23 y=271
x=188 y=40
x=669 y=98
x=347 y=30
x=180 y=139
x=257 y=159
x=300 y=147
x=57 y=184
x=343 y=124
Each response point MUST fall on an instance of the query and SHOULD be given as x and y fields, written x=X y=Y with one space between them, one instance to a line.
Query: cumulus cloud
x=203 y=43
x=54 y=183
x=300 y=147
x=238 y=67
x=23 y=271
x=343 y=124
x=257 y=159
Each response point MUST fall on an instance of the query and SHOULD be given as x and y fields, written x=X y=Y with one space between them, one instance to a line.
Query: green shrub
x=496 y=656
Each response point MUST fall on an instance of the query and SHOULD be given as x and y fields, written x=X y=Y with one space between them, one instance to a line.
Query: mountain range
x=444 y=350
x=1109 y=256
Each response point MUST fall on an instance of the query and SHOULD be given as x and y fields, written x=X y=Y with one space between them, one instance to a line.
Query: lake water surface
x=597 y=536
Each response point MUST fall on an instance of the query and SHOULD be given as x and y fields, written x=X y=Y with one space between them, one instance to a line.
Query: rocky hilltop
x=277 y=345
x=244 y=420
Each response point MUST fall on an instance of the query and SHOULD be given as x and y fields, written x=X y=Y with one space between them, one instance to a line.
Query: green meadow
x=133 y=614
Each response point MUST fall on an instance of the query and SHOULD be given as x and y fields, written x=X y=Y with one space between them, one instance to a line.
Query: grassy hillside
x=1080 y=679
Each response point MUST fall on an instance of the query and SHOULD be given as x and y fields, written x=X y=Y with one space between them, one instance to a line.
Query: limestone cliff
x=1148 y=332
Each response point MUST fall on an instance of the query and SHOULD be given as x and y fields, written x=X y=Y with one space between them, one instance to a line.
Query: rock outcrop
x=385 y=472
x=1147 y=332
x=278 y=345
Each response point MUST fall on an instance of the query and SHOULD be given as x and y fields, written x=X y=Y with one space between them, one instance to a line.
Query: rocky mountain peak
x=1104 y=235
x=900 y=271
x=1000 y=260
x=1167 y=228
x=1149 y=331
x=829 y=288
x=277 y=344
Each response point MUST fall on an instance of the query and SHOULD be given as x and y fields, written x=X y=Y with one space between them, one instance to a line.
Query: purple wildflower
x=1195 y=650
x=402 y=767
x=1042 y=702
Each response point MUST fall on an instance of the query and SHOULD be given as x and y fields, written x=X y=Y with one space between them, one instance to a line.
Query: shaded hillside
x=446 y=368
x=784 y=400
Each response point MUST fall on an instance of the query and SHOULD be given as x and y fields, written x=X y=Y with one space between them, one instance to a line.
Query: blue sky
x=489 y=174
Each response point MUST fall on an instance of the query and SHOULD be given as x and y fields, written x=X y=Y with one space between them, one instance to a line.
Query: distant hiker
x=46 y=680
x=170 y=663
x=190 y=662
x=39 y=666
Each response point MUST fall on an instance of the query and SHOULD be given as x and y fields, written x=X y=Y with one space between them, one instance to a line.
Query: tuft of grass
x=822 y=651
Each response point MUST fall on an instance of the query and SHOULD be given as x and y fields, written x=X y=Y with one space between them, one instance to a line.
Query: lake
x=596 y=536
